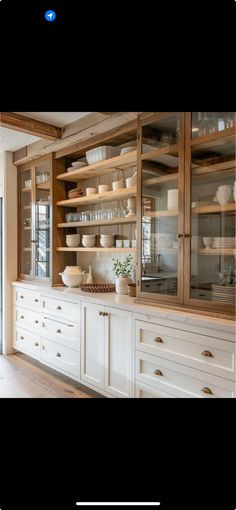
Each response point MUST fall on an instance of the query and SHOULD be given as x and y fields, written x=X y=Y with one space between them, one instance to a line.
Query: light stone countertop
x=128 y=303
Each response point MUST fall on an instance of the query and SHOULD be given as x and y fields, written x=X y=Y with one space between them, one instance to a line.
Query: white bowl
x=88 y=244
x=72 y=240
x=131 y=181
x=107 y=244
x=88 y=236
x=72 y=280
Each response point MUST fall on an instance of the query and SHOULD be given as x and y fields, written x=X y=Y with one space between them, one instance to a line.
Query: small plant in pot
x=123 y=271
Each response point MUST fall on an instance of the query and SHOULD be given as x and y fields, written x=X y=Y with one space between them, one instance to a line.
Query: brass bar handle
x=158 y=372
x=207 y=390
x=58 y=355
x=158 y=339
x=207 y=354
x=186 y=235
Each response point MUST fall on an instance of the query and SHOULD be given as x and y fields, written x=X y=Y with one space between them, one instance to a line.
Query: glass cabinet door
x=42 y=220
x=161 y=159
x=26 y=223
x=211 y=158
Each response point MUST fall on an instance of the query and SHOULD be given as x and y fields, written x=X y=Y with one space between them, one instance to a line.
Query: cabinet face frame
x=144 y=120
x=211 y=306
x=32 y=168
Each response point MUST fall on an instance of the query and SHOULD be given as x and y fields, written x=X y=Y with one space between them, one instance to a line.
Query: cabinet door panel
x=118 y=352
x=93 y=345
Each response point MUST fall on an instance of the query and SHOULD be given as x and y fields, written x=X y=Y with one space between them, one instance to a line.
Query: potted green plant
x=123 y=271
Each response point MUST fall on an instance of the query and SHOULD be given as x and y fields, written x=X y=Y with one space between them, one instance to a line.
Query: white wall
x=8 y=186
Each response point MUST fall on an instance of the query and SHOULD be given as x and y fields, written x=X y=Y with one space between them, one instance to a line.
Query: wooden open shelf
x=98 y=249
x=97 y=223
x=160 y=180
x=227 y=167
x=215 y=208
x=120 y=194
x=217 y=251
x=164 y=213
x=101 y=168
x=213 y=137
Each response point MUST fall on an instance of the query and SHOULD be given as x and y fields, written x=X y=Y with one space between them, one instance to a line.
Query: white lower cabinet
x=60 y=357
x=106 y=349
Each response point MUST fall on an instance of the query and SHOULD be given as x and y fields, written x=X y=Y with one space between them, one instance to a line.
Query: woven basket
x=98 y=287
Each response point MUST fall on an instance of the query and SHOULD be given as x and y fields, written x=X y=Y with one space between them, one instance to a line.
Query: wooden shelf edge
x=98 y=249
x=120 y=194
x=77 y=224
x=214 y=208
x=155 y=152
x=213 y=136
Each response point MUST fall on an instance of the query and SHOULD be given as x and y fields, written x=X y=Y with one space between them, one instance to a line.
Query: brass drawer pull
x=36 y=322
x=100 y=313
x=105 y=314
x=207 y=354
x=206 y=390
x=179 y=236
x=36 y=344
x=58 y=331
x=36 y=300
x=158 y=372
x=22 y=317
x=21 y=297
x=22 y=337
x=58 y=355
x=158 y=339
x=59 y=308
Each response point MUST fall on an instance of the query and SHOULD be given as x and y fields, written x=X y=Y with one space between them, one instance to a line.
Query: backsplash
x=102 y=265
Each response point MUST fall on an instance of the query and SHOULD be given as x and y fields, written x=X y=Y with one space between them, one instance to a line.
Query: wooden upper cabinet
x=186 y=213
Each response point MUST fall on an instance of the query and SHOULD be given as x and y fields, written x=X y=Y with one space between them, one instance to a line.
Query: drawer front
x=60 y=357
x=27 y=318
x=179 y=380
x=61 y=308
x=63 y=332
x=27 y=342
x=26 y=298
x=205 y=353
x=145 y=391
x=154 y=286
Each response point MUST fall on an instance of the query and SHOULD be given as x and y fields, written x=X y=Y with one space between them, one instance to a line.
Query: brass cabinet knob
x=21 y=337
x=21 y=297
x=207 y=354
x=59 y=308
x=58 y=331
x=36 y=300
x=22 y=317
x=36 y=322
x=158 y=339
x=206 y=390
x=158 y=372
x=100 y=313
x=36 y=344
x=58 y=355
x=105 y=314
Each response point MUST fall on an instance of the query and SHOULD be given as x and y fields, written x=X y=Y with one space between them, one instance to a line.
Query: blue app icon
x=50 y=15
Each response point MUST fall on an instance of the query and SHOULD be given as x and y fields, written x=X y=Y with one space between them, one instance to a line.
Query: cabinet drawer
x=154 y=286
x=26 y=342
x=145 y=391
x=60 y=357
x=26 y=297
x=63 y=332
x=180 y=380
x=205 y=353
x=27 y=318
x=61 y=308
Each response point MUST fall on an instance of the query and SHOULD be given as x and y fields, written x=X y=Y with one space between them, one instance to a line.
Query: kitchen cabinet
x=106 y=349
x=186 y=211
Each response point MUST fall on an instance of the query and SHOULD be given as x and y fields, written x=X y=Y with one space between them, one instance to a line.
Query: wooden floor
x=22 y=377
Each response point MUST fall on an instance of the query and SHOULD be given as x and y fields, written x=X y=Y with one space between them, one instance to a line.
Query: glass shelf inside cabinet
x=159 y=274
x=26 y=222
x=208 y=123
x=213 y=226
x=42 y=221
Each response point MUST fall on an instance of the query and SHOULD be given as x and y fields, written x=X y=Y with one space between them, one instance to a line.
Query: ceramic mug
x=102 y=188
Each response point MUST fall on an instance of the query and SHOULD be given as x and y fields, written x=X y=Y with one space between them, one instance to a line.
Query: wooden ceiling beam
x=31 y=126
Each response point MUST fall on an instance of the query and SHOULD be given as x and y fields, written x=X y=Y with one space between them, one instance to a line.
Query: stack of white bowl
x=223 y=242
x=107 y=241
x=72 y=240
x=196 y=242
x=89 y=240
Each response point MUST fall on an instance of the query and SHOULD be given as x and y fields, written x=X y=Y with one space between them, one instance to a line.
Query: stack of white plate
x=224 y=293
x=88 y=241
x=196 y=242
x=223 y=242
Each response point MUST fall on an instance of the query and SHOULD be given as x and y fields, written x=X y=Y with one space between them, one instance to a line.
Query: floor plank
x=23 y=377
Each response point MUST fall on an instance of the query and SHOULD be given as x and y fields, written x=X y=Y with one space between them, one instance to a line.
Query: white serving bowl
x=72 y=280
x=88 y=243
x=72 y=240
x=107 y=244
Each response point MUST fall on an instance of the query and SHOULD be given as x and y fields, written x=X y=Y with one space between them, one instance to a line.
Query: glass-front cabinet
x=35 y=221
x=186 y=220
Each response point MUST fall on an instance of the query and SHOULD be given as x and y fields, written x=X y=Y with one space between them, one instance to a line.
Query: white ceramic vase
x=122 y=284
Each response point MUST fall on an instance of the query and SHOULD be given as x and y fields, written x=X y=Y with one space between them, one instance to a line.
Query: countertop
x=128 y=303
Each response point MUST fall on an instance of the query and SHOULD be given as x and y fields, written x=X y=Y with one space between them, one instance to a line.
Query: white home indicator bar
x=115 y=503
